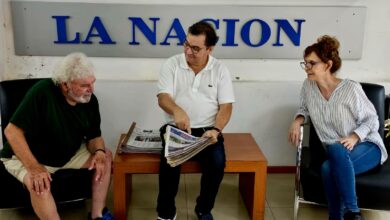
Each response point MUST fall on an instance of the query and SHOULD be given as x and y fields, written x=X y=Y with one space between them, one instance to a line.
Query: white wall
x=2 y=39
x=264 y=109
x=266 y=90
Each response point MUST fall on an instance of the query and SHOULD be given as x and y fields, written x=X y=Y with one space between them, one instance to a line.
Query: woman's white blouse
x=347 y=110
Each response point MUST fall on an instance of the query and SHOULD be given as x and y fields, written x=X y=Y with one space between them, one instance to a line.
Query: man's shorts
x=16 y=168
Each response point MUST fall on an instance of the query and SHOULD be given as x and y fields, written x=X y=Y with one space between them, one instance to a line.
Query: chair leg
x=296 y=205
x=298 y=175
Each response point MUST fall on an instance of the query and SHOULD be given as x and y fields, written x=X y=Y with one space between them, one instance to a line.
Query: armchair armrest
x=298 y=163
x=387 y=106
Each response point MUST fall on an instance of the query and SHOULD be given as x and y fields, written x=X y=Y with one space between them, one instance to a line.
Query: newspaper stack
x=142 y=141
x=181 y=146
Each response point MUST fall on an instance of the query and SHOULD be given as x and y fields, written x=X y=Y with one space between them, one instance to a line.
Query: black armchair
x=67 y=185
x=372 y=188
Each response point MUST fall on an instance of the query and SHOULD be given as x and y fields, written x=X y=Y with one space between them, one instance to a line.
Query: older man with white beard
x=57 y=126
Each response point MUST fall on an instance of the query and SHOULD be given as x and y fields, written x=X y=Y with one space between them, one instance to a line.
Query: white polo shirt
x=198 y=95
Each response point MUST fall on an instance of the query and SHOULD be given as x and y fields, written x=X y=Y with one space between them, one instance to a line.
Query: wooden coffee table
x=243 y=156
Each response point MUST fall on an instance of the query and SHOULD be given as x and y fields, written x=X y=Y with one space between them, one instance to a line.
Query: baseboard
x=281 y=169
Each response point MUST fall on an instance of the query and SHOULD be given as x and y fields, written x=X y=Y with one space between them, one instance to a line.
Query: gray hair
x=73 y=66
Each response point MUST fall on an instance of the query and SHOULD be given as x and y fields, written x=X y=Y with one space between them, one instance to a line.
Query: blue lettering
x=265 y=32
x=295 y=36
x=230 y=32
x=62 y=36
x=101 y=32
x=180 y=34
x=213 y=21
x=148 y=33
x=254 y=33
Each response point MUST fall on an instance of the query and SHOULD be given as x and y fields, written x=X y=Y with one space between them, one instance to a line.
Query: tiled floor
x=229 y=205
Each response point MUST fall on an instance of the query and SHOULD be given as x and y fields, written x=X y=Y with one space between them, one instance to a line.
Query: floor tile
x=150 y=214
x=223 y=213
x=228 y=206
x=310 y=212
x=144 y=191
x=268 y=214
x=8 y=214
x=376 y=215
x=280 y=190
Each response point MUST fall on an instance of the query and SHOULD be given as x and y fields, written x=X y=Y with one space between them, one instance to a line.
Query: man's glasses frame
x=194 y=49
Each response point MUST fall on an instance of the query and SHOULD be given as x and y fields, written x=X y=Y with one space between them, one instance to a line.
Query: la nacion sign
x=159 y=31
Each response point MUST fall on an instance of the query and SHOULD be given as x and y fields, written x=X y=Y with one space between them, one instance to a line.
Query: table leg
x=120 y=195
x=252 y=187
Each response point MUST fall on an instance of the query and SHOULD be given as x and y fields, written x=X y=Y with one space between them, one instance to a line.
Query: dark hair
x=326 y=49
x=206 y=29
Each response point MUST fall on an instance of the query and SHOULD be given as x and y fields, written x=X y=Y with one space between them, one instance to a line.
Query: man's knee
x=216 y=163
x=219 y=159
x=219 y=163
x=43 y=196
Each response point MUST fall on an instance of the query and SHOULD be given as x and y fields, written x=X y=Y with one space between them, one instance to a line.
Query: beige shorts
x=15 y=167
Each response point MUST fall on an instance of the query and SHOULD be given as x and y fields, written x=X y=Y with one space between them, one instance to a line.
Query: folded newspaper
x=142 y=141
x=181 y=146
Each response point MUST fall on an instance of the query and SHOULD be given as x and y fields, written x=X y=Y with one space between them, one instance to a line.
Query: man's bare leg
x=100 y=188
x=43 y=204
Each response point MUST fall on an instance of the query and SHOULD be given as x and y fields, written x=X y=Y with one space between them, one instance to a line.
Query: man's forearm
x=96 y=144
x=17 y=140
x=223 y=115
x=181 y=118
x=166 y=102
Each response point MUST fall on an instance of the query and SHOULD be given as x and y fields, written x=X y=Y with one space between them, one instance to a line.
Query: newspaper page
x=143 y=141
x=181 y=146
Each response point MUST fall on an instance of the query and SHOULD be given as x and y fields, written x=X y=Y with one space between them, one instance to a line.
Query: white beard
x=79 y=99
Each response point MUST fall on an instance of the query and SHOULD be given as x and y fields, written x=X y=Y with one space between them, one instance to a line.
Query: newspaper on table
x=142 y=141
x=181 y=146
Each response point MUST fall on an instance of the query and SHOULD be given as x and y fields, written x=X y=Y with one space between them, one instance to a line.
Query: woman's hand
x=294 y=133
x=350 y=141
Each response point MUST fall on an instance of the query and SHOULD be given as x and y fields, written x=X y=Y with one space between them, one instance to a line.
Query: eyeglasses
x=194 y=49
x=308 y=65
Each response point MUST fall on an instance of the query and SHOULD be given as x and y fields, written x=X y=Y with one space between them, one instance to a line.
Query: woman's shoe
x=353 y=216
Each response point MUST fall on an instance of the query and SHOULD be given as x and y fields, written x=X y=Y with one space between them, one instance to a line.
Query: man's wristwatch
x=99 y=149
x=218 y=130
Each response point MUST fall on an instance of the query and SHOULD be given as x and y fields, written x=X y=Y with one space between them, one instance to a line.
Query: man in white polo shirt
x=196 y=93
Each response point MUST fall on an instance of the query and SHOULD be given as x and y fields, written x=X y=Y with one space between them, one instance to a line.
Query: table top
x=238 y=147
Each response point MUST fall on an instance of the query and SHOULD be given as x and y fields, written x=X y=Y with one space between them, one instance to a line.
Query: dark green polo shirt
x=53 y=128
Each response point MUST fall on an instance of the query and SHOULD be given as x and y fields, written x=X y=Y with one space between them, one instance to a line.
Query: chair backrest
x=12 y=93
x=376 y=94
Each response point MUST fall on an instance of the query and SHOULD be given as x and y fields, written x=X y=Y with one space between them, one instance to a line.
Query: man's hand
x=213 y=134
x=99 y=163
x=38 y=178
x=350 y=141
x=182 y=120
